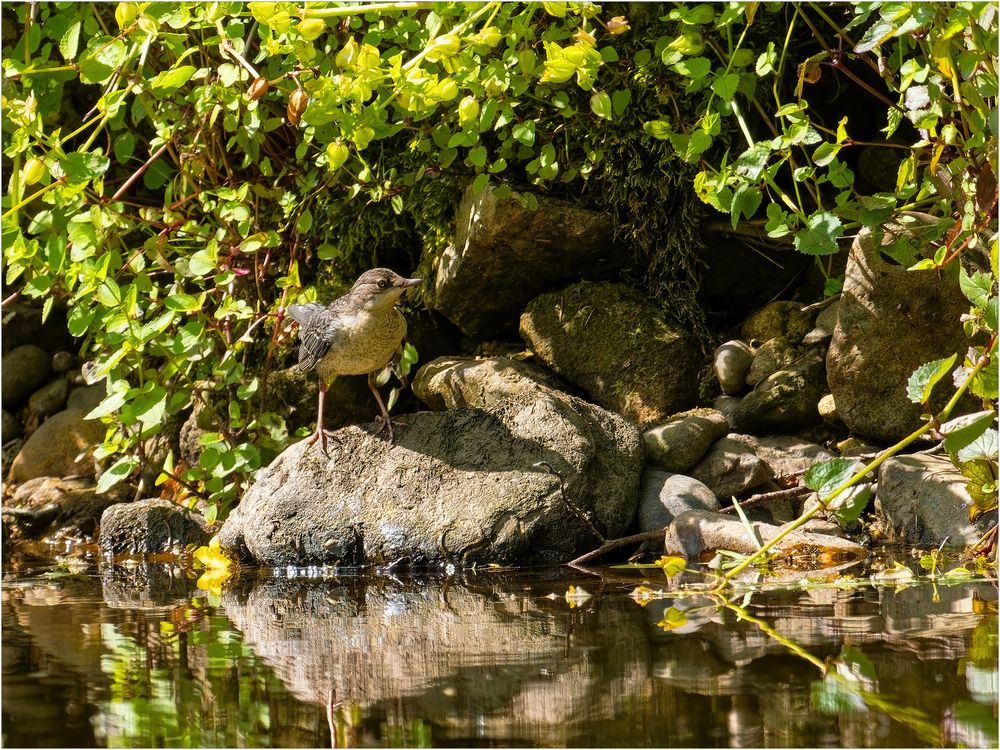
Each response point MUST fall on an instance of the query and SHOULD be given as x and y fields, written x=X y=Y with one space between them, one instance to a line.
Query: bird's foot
x=321 y=436
x=385 y=425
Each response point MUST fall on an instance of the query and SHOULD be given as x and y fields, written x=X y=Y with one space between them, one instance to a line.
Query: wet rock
x=827 y=408
x=784 y=401
x=612 y=342
x=785 y=455
x=148 y=526
x=49 y=399
x=826 y=321
x=782 y=318
x=86 y=398
x=696 y=532
x=890 y=321
x=731 y=363
x=62 y=446
x=63 y=362
x=514 y=471
x=23 y=370
x=11 y=427
x=42 y=505
x=731 y=468
x=773 y=355
x=505 y=254
x=922 y=501
x=684 y=439
x=663 y=496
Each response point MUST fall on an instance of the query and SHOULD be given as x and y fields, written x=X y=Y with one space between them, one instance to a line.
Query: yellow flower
x=217 y=566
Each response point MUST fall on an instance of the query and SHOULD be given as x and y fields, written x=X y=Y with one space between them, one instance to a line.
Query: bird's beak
x=407 y=283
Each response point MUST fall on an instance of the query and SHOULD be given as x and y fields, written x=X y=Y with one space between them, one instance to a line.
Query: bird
x=356 y=334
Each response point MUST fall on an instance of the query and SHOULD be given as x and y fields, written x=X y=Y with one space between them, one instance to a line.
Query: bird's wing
x=317 y=328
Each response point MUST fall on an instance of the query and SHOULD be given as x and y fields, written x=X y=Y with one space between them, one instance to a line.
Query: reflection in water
x=491 y=659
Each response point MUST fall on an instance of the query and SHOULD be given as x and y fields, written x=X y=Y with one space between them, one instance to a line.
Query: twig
x=768 y=497
x=613 y=544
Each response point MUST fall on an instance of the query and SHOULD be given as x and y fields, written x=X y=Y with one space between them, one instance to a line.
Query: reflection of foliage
x=157 y=699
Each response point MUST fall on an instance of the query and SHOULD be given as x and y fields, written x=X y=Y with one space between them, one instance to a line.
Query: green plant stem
x=361 y=9
x=861 y=473
x=38 y=193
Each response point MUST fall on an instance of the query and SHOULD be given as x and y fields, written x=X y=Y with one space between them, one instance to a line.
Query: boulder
x=62 y=446
x=785 y=400
x=514 y=471
x=46 y=504
x=731 y=468
x=663 y=496
x=782 y=318
x=697 y=532
x=889 y=322
x=23 y=371
x=149 y=526
x=680 y=443
x=22 y=324
x=922 y=501
x=505 y=253
x=86 y=397
x=49 y=399
x=612 y=342
x=731 y=364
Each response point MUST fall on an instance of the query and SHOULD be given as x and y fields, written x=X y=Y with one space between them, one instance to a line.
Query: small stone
x=47 y=504
x=696 y=532
x=727 y=407
x=11 y=427
x=731 y=468
x=49 y=399
x=827 y=408
x=683 y=440
x=781 y=318
x=731 y=364
x=852 y=446
x=773 y=355
x=149 y=526
x=24 y=370
x=62 y=362
x=10 y=450
x=786 y=400
x=785 y=455
x=664 y=496
x=87 y=397
x=924 y=502
x=826 y=321
x=53 y=449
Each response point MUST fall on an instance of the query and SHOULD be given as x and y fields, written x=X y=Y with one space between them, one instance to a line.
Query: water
x=141 y=658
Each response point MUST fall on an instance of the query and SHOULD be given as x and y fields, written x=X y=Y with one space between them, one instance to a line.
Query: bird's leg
x=385 y=412
x=320 y=429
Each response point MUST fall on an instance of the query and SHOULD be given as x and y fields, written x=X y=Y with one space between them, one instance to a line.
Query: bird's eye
x=382 y=284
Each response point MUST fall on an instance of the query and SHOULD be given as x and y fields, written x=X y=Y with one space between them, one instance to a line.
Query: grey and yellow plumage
x=356 y=334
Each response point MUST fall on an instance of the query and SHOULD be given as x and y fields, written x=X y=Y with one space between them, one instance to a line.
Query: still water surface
x=142 y=658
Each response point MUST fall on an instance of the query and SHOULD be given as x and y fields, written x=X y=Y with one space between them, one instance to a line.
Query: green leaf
x=824 y=476
x=726 y=85
x=82 y=166
x=746 y=200
x=169 y=81
x=849 y=504
x=820 y=236
x=117 y=472
x=925 y=377
x=825 y=153
x=477 y=156
x=479 y=184
x=70 y=42
x=620 y=101
x=961 y=431
x=983 y=447
x=976 y=287
x=659 y=129
x=600 y=104
x=179 y=302
x=524 y=133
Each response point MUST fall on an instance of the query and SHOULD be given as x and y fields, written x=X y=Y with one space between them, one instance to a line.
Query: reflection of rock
x=450 y=654
x=145 y=586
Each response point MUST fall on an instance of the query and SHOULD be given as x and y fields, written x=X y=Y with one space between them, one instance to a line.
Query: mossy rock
x=615 y=344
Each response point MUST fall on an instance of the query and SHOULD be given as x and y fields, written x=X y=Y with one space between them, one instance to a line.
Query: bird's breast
x=363 y=342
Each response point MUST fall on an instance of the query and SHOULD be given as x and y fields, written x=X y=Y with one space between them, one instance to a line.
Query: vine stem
x=361 y=9
x=862 y=472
